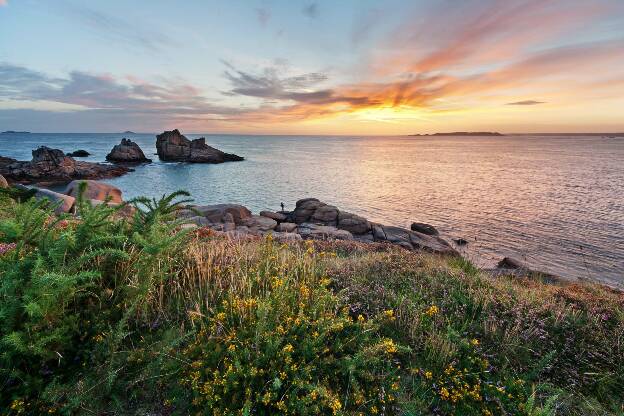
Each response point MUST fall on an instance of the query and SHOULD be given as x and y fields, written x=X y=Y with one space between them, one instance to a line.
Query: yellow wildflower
x=432 y=310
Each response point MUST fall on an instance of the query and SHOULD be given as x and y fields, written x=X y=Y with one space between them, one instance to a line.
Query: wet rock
x=94 y=190
x=79 y=153
x=173 y=146
x=286 y=227
x=423 y=228
x=277 y=216
x=127 y=152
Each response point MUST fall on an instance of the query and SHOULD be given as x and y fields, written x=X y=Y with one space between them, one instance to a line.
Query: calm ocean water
x=556 y=202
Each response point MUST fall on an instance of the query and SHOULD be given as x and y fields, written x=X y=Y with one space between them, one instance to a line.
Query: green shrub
x=290 y=348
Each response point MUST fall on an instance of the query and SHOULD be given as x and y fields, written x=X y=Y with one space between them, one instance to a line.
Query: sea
x=555 y=202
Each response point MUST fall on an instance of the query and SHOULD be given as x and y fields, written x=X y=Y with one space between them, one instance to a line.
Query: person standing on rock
x=282 y=204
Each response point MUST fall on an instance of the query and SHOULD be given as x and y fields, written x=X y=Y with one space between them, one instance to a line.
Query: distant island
x=15 y=132
x=128 y=132
x=463 y=133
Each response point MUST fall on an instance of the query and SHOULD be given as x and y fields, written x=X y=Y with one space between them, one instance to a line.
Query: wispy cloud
x=123 y=31
x=526 y=102
x=4 y=3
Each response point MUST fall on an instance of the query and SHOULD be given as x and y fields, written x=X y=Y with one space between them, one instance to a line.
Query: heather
x=107 y=314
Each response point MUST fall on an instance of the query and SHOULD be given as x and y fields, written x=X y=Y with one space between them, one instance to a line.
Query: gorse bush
x=60 y=291
x=290 y=348
x=118 y=314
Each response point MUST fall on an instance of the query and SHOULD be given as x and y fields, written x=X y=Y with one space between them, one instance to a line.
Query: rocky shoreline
x=311 y=219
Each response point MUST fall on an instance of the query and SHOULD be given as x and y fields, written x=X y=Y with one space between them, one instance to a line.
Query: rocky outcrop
x=52 y=166
x=423 y=228
x=258 y=223
x=322 y=232
x=277 y=216
x=95 y=190
x=222 y=212
x=127 y=152
x=173 y=146
x=311 y=219
x=3 y=182
x=79 y=153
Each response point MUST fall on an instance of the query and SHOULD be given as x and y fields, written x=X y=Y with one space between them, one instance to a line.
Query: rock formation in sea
x=127 y=152
x=52 y=166
x=79 y=153
x=173 y=146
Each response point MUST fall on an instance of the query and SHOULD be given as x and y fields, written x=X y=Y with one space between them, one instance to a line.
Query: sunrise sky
x=302 y=67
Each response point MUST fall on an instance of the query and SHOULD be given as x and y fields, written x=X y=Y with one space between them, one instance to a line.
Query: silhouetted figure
x=282 y=204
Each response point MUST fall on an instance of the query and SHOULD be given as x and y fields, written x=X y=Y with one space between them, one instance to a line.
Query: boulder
x=260 y=223
x=79 y=153
x=431 y=243
x=394 y=235
x=423 y=228
x=95 y=190
x=3 y=182
x=353 y=223
x=305 y=208
x=286 y=227
x=277 y=216
x=173 y=146
x=326 y=214
x=127 y=152
x=216 y=213
x=65 y=202
x=322 y=232
x=412 y=240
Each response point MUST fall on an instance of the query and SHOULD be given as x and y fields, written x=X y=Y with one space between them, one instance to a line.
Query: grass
x=110 y=316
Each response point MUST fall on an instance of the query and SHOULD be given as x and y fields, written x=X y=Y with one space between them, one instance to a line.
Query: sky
x=348 y=67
